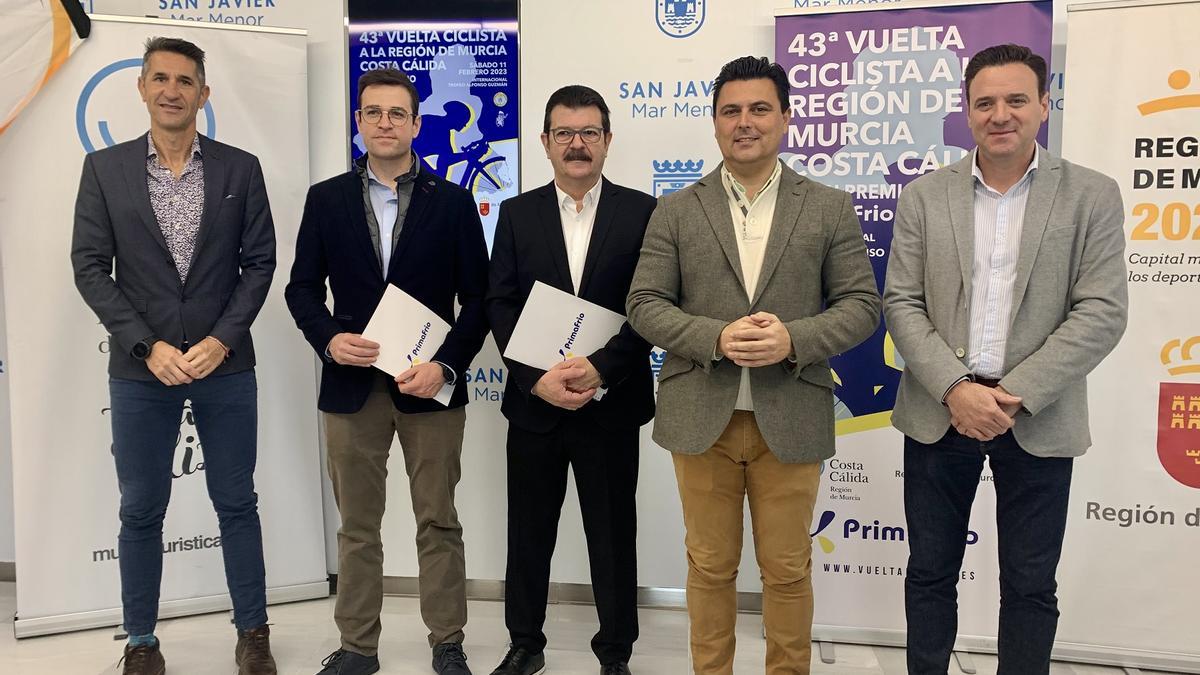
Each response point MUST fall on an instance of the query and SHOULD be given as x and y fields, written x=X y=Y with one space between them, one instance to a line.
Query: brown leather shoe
x=143 y=661
x=253 y=652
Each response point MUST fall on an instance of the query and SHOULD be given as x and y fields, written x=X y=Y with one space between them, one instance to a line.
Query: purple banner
x=877 y=100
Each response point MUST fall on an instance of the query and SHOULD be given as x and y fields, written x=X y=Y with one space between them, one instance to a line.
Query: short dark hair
x=390 y=77
x=999 y=55
x=175 y=46
x=575 y=96
x=752 y=68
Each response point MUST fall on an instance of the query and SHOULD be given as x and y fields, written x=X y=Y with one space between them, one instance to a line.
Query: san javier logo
x=680 y=18
x=673 y=176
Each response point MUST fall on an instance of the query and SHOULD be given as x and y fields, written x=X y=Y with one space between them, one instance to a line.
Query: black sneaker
x=449 y=659
x=343 y=662
x=518 y=661
x=615 y=669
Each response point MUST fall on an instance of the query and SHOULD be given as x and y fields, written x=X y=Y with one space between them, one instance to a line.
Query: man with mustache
x=581 y=234
x=751 y=279
x=390 y=220
x=1008 y=236
x=185 y=221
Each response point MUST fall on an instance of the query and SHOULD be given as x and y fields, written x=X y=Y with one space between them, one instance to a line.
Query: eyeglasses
x=373 y=115
x=563 y=135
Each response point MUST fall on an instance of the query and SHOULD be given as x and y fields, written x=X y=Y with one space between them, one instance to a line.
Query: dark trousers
x=145 y=427
x=1031 y=515
x=605 y=463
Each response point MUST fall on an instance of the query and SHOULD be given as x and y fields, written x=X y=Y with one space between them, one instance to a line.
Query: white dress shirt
x=999 y=219
x=752 y=219
x=577 y=222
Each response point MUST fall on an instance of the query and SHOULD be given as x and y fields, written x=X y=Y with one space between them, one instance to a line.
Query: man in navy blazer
x=390 y=220
x=186 y=221
x=582 y=235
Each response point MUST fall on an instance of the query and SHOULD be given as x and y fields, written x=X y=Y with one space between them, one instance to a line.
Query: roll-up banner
x=65 y=487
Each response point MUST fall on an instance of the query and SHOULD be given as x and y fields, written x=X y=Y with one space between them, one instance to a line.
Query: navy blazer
x=529 y=247
x=440 y=254
x=232 y=264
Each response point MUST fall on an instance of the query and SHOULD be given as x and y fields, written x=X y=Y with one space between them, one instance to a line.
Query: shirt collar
x=151 y=151
x=737 y=190
x=978 y=174
x=363 y=168
x=567 y=202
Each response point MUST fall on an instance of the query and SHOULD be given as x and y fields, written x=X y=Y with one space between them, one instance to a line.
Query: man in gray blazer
x=1006 y=286
x=750 y=279
x=186 y=221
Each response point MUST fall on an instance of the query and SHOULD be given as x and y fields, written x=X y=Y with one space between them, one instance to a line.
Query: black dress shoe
x=449 y=659
x=343 y=662
x=518 y=661
x=615 y=669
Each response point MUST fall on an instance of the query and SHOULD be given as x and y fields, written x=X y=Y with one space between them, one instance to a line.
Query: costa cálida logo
x=1179 y=413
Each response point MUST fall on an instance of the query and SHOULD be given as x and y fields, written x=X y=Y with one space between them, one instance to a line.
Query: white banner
x=65 y=486
x=1129 y=576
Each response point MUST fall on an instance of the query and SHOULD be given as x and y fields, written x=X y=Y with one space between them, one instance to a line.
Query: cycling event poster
x=466 y=74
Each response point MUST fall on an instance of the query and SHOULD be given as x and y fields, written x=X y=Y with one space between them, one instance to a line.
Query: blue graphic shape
x=106 y=138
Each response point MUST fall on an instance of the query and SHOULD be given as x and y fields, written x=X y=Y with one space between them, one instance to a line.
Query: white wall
x=661 y=532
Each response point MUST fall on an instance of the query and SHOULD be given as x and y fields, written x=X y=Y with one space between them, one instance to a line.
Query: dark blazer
x=232 y=266
x=529 y=247
x=440 y=253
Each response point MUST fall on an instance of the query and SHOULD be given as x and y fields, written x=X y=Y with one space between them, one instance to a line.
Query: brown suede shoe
x=253 y=652
x=143 y=661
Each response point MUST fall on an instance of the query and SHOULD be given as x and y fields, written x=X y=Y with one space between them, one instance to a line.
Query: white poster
x=65 y=488
x=1129 y=577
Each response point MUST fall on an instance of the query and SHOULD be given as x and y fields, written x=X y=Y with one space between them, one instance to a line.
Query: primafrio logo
x=1177 y=80
x=565 y=351
x=109 y=110
x=673 y=176
x=679 y=18
x=861 y=530
x=1179 y=413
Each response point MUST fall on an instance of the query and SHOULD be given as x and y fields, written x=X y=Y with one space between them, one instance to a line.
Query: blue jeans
x=940 y=481
x=145 y=427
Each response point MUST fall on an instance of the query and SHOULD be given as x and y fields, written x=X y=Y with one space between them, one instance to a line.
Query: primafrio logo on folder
x=408 y=334
x=555 y=326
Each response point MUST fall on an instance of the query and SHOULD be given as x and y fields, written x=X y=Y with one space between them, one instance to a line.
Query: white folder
x=555 y=326
x=408 y=333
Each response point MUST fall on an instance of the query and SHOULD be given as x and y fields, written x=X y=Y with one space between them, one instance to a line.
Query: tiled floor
x=303 y=634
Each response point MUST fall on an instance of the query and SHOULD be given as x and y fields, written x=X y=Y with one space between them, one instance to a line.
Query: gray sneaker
x=449 y=659
x=343 y=662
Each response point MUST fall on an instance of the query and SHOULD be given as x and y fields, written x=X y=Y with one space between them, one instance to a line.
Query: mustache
x=577 y=156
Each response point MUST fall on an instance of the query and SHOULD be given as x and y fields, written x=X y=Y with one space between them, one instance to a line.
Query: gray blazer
x=232 y=265
x=1070 y=300
x=688 y=286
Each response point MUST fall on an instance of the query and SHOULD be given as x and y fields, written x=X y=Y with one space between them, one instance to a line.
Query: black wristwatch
x=447 y=372
x=141 y=350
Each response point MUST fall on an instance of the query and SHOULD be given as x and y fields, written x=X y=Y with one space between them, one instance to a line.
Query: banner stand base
x=965 y=662
x=106 y=618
